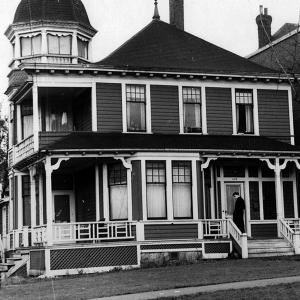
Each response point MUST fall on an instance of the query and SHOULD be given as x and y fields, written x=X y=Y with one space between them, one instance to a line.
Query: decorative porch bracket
x=125 y=163
x=49 y=168
x=206 y=164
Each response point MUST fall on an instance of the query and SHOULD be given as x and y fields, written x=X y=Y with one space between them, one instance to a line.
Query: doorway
x=64 y=207
x=229 y=203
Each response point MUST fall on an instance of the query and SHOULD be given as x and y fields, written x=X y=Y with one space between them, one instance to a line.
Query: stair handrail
x=290 y=235
x=239 y=237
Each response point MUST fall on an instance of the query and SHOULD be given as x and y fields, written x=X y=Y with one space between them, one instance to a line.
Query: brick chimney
x=263 y=21
x=177 y=13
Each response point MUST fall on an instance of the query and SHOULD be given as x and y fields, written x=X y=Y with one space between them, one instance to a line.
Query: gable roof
x=163 y=47
x=283 y=30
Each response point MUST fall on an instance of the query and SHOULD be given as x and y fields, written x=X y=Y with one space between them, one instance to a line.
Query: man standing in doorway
x=238 y=214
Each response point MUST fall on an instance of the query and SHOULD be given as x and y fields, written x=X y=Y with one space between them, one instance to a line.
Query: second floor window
x=59 y=44
x=136 y=108
x=244 y=111
x=31 y=45
x=192 y=109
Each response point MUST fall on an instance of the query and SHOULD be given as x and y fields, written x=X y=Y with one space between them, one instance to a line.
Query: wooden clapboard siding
x=171 y=231
x=109 y=107
x=273 y=112
x=219 y=111
x=264 y=230
x=48 y=138
x=165 y=109
x=136 y=185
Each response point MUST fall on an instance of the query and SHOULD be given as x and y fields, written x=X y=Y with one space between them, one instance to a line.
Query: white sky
x=226 y=23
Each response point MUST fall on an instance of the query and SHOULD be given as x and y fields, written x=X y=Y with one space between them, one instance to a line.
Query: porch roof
x=92 y=141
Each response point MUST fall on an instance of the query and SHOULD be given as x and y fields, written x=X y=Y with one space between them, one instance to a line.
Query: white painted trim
x=41 y=196
x=148 y=109
x=129 y=195
x=181 y=110
x=97 y=192
x=203 y=108
x=47 y=260
x=203 y=194
x=292 y=130
x=212 y=191
x=233 y=105
x=35 y=108
x=255 y=112
x=94 y=107
x=194 y=189
x=144 y=188
x=20 y=202
x=169 y=192
x=19 y=123
x=49 y=200
x=260 y=190
x=33 y=199
x=105 y=192
x=296 y=215
x=247 y=202
x=124 y=108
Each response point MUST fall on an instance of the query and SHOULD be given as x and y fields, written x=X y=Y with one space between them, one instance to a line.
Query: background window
x=156 y=190
x=118 y=192
x=182 y=189
x=136 y=107
x=82 y=48
x=244 y=111
x=59 y=44
x=31 y=45
x=27 y=119
x=192 y=109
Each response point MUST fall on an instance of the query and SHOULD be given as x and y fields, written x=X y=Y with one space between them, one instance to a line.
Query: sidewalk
x=205 y=289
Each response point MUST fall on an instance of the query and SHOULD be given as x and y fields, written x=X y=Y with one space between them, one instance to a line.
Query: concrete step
x=270 y=250
x=264 y=254
x=13 y=260
x=263 y=246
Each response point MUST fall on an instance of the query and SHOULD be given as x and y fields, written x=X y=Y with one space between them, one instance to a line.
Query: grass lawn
x=278 y=292
x=134 y=281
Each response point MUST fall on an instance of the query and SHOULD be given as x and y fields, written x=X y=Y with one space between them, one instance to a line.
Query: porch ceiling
x=91 y=142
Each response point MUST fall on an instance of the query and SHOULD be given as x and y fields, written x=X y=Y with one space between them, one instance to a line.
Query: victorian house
x=133 y=158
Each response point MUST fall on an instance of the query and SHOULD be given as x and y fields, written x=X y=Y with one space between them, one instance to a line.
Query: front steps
x=269 y=247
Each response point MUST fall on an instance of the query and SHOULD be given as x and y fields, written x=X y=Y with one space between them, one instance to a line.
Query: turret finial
x=156 y=15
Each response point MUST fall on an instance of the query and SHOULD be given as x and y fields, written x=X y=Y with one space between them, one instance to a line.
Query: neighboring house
x=281 y=52
x=136 y=157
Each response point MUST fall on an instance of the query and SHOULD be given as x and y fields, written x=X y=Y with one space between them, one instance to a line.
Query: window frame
x=59 y=36
x=30 y=37
x=129 y=86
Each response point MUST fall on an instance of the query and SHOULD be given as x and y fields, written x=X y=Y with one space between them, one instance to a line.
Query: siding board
x=165 y=109
x=219 y=111
x=109 y=107
x=273 y=112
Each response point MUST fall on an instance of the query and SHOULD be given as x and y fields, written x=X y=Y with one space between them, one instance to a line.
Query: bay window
x=31 y=45
x=244 y=111
x=136 y=108
x=182 y=189
x=156 y=190
x=192 y=109
x=59 y=44
x=118 y=192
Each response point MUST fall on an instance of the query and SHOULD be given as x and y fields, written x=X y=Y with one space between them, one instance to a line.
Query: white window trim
x=148 y=109
x=203 y=109
x=255 y=111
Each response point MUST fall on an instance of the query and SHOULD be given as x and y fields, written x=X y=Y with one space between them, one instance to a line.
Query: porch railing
x=290 y=230
x=92 y=231
x=24 y=148
x=17 y=239
x=39 y=235
x=239 y=238
x=214 y=228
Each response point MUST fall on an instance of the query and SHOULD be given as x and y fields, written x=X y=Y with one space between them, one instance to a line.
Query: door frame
x=72 y=203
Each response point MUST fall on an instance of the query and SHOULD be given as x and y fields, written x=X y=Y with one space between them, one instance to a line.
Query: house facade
x=135 y=158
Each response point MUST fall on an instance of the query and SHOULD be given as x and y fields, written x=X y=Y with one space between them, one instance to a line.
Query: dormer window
x=192 y=110
x=244 y=111
x=31 y=45
x=83 y=45
x=59 y=44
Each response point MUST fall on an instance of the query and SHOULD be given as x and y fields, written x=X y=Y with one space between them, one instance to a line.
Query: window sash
x=182 y=200
x=191 y=95
x=59 y=44
x=82 y=48
x=192 y=117
x=118 y=202
x=244 y=118
x=156 y=201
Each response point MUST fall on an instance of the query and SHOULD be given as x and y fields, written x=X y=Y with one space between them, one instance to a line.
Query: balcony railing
x=24 y=149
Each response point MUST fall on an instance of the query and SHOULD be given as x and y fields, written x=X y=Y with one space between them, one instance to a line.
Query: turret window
x=59 y=44
x=31 y=45
x=82 y=48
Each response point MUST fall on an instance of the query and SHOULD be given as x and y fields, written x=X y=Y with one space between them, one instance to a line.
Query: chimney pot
x=266 y=11
x=261 y=9
x=263 y=21
x=177 y=13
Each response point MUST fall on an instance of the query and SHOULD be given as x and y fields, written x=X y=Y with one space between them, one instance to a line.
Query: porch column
x=105 y=192
x=97 y=192
x=129 y=194
x=32 y=173
x=41 y=196
x=49 y=201
x=279 y=198
x=44 y=46
x=35 y=109
x=20 y=202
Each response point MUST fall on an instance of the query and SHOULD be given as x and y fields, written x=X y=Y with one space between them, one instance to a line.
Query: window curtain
x=27 y=126
x=53 y=44
x=192 y=116
x=26 y=46
x=118 y=202
x=182 y=200
x=136 y=116
x=65 y=45
x=249 y=118
x=156 y=201
x=82 y=48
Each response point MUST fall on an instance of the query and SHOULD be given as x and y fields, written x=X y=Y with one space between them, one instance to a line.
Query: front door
x=230 y=188
x=64 y=207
